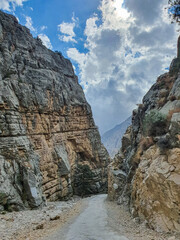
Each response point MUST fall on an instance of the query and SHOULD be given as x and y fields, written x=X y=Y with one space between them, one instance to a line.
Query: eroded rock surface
x=145 y=174
x=48 y=139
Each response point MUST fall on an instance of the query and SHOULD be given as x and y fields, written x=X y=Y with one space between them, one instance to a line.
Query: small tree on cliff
x=174 y=10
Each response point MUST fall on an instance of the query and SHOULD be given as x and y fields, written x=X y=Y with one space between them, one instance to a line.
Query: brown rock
x=150 y=157
x=47 y=129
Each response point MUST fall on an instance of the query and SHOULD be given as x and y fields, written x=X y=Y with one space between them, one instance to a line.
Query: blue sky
x=118 y=47
x=52 y=13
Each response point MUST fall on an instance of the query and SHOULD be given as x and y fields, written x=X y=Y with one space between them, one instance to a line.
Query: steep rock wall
x=145 y=174
x=50 y=147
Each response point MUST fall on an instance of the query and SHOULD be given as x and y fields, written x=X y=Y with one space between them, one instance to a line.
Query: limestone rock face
x=145 y=174
x=47 y=132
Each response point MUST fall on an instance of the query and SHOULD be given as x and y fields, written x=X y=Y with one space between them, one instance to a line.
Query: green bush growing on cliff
x=154 y=123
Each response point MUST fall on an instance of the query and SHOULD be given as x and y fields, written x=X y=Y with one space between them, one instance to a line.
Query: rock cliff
x=50 y=147
x=145 y=174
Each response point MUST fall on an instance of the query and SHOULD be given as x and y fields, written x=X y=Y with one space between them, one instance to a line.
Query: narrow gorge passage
x=91 y=224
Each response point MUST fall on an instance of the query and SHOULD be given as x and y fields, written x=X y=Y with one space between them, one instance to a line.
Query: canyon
x=51 y=149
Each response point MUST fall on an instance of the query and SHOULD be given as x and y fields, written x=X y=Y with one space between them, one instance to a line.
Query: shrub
x=164 y=142
x=172 y=98
x=58 y=52
x=154 y=124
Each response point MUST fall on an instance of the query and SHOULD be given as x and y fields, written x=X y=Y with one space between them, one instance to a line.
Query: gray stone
x=63 y=161
x=1 y=208
x=46 y=124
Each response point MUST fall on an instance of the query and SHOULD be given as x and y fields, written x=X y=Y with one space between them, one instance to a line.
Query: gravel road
x=100 y=219
x=91 y=224
x=92 y=218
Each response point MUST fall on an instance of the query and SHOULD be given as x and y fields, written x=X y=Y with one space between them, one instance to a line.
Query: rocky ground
x=120 y=220
x=33 y=224
x=58 y=217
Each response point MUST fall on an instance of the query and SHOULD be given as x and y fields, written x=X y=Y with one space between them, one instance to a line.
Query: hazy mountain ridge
x=112 y=138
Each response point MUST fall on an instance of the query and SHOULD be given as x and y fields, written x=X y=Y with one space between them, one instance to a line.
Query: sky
x=118 y=47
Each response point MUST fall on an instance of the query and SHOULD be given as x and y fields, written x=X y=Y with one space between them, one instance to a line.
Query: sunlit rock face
x=50 y=147
x=145 y=174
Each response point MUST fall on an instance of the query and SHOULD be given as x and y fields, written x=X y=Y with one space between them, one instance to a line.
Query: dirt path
x=92 y=218
x=91 y=224
x=104 y=220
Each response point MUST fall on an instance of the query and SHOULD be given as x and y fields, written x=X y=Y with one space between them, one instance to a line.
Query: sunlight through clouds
x=114 y=13
x=120 y=11
x=118 y=48
x=128 y=47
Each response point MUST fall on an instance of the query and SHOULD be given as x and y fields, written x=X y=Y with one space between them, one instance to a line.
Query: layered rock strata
x=145 y=174
x=50 y=147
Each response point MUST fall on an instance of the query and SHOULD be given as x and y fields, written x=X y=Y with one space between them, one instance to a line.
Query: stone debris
x=25 y=222
x=172 y=238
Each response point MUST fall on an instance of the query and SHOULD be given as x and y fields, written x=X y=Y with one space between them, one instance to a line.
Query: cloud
x=43 y=28
x=10 y=5
x=46 y=41
x=66 y=30
x=29 y=24
x=128 y=45
x=145 y=12
x=78 y=57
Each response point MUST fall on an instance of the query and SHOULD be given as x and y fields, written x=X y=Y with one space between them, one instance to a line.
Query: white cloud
x=67 y=38
x=8 y=5
x=67 y=30
x=78 y=57
x=128 y=47
x=46 y=41
x=43 y=28
x=29 y=24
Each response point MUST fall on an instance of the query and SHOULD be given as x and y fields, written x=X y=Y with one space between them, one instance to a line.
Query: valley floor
x=92 y=218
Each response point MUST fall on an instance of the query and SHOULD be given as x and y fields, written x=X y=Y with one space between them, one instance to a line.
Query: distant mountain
x=112 y=138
